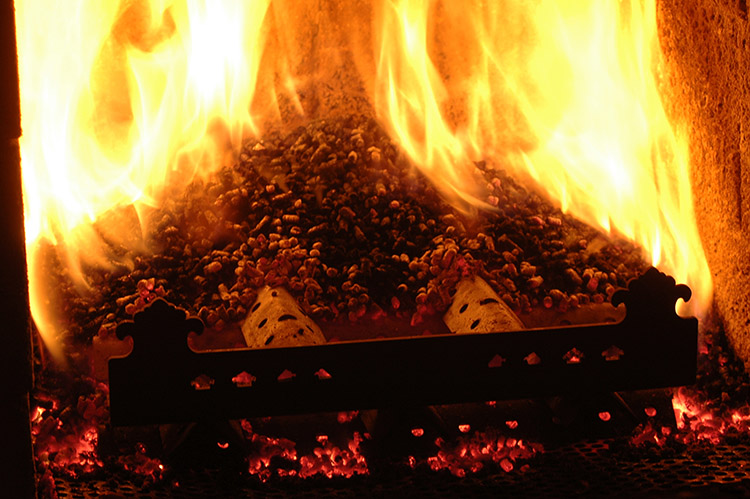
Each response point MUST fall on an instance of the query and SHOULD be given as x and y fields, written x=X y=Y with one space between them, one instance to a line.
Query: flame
x=565 y=93
x=120 y=99
x=134 y=94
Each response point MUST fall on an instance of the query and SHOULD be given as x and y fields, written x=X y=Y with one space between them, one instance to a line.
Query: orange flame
x=106 y=119
x=122 y=98
x=563 y=92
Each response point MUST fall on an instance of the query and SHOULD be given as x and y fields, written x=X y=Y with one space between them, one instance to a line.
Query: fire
x=326 y=459
x=120 y=99
x=470 y=454
x=700 y=422
x=136 y=94
x=563 y=92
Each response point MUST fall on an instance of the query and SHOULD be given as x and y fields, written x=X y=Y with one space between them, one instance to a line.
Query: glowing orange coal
x=122 y=98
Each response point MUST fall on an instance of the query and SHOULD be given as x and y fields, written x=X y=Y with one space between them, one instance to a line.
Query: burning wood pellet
x=332 y=219
x=333 y=213
x=330 y=224
x=469 y=454
x=348 y=238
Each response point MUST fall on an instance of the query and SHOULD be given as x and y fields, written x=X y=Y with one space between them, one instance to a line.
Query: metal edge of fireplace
x=17 y=461
x=157 y=382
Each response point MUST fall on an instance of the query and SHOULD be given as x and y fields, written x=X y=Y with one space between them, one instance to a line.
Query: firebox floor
x=592 y=468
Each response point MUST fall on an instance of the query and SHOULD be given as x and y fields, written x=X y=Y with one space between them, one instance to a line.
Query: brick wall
x=707 y=79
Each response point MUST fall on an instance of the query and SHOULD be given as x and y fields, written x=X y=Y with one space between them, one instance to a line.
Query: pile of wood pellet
x=335 y=213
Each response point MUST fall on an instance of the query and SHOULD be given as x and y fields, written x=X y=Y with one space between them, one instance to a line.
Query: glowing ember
x=327 y=459
x=331 y=461
x=533 y=359
x=203 y=382
x=469 y=454
x=244 y=379
x=141 y=464
x=264 y=449
x=496 y=361
x=696 y=422
x=705 y=423
x=574 y=356
x=346 y=416
x=649 y=434
x=612 y=353
x=66 y=438
x=65 y=441
x=130 y=96
x=147 y=291
x=36 y=415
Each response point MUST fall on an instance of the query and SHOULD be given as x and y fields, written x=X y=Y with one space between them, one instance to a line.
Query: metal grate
x=164 y=381
x=594 y=469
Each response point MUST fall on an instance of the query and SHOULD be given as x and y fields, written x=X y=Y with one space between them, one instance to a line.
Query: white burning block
x=476 y=308
x=276 y=320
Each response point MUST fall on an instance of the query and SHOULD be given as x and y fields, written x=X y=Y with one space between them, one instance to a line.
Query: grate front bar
x=162 y=380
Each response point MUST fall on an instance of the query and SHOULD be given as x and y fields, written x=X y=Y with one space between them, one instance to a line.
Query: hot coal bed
x=367 y=250
x=381 y=256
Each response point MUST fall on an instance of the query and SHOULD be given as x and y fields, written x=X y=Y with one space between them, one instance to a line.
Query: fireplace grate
x=592 y=468
x=164 y=381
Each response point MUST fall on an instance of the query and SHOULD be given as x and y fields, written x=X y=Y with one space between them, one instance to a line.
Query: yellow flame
x=563 y=92
x=115 y=94
x=120 y=98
